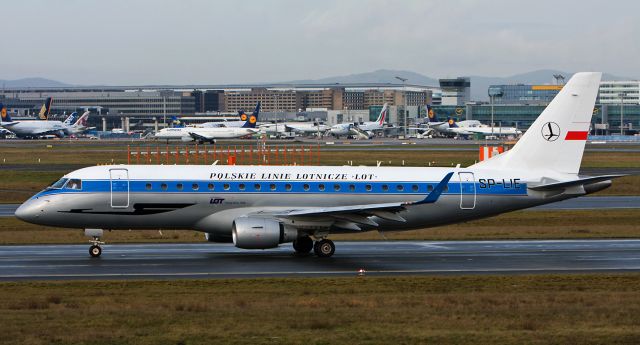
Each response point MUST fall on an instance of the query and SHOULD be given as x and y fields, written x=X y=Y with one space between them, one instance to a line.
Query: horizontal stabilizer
x=578 y=182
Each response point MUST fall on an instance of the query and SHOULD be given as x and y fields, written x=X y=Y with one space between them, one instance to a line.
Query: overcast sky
x=210 y=42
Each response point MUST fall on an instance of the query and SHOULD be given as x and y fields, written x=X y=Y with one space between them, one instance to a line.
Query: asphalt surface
x=586 y=203
x=175 y=261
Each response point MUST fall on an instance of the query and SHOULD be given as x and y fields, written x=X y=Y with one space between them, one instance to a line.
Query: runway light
x=361 y=272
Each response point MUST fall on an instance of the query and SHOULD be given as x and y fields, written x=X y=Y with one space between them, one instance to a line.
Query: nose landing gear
x=95 y=250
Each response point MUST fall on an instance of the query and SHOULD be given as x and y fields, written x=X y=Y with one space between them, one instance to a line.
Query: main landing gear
x=95 y=250
x=323 y=248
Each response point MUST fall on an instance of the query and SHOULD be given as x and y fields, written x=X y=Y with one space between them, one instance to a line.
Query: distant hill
x=379 y=76
x=31 y=82
x=479 y=84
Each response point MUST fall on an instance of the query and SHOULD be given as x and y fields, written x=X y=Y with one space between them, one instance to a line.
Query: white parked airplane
x=210 y=134
x=259 y=207
x=471 y=127
x=229 y=124
x=363 y=130
x=295 y=127
x=38 y=128
x=378 y=124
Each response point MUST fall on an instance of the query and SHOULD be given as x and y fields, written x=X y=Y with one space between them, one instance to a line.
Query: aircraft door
x=119 y=181
x=467 y=190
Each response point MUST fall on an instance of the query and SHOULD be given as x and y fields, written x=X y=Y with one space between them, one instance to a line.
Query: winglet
x=435 y=194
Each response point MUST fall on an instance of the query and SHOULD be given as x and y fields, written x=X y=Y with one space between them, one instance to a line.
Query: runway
x=174 y=261
x=586 y=203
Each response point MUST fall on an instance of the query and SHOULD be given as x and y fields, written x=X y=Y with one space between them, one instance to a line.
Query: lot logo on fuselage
x=216 y=201
x=550 y=131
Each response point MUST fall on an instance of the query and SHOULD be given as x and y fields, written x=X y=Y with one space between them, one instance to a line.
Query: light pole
x=622 y=113
x=493 y=92
x=404 y=90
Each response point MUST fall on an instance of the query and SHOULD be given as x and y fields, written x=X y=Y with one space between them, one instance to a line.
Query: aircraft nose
x=29 y=211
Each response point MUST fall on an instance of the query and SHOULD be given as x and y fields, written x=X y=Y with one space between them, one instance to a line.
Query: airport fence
x=260 y=154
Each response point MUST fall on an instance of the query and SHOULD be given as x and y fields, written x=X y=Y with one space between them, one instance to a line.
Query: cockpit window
x=74 y=184
x=59 y=184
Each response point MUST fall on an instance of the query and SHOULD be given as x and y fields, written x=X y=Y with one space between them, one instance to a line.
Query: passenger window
x=321 y=187
x=272 y=186
x=446 y=188
x=148 y=186
x=210 y=186
x=226 y=186
x=256 y=186
x=241 y=186
x=414 y=188
x=385 y=188
x=336 y=187
x=287 y=187
x=430 y=188
x=306 y=187
x=368 y=187
x=74 y=184
x=179 y=186
x=400 y=188
x=195 y=186
x=352 y=188
x=163 y=186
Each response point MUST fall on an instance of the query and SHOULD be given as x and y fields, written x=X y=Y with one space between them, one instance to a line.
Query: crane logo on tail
x=550 y=131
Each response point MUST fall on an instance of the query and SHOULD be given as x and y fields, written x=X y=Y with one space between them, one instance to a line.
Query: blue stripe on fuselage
x=344 y=187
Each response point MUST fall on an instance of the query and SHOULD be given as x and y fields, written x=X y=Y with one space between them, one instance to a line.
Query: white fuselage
x=34 y=128
x=190 y=133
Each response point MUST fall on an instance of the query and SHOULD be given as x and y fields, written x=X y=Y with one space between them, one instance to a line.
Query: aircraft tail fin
x=556 y=140
x=383 y=114
x=46 y=109
x=452 y=123
x=431 y=114
x=4 y=115
x=252 y=119
x=82 y=120
x=71 y=119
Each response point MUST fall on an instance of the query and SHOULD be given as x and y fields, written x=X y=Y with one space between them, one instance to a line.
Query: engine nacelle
x=260 y=233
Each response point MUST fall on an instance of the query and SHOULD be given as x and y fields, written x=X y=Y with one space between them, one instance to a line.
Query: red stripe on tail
x=576 y=135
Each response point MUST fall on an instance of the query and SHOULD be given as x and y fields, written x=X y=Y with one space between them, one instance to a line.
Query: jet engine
x=260 y=233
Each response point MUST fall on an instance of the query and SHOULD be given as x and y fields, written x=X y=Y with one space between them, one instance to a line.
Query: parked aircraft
x=472 y=128
x=378 y=124
x=229 y=124
x=40 y=128
x=210 y=134
x=259 y=207
x=294 y=127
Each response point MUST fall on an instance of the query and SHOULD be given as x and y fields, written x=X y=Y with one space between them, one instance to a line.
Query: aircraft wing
x=578 y=182
x=350 y=217
x=197 y=136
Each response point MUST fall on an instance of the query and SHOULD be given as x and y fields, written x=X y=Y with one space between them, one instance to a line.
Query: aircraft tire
x=303 y=245
x=95 y=251
x=324 y=248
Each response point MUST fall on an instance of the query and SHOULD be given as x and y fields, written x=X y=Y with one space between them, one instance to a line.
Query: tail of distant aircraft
x=4 y=115
x=71 y=119
x=82 y=120
x=383 y=114
x=46 y=109
x=452 y=123
x=252 y=119
x=431 y=114
x=556 y=140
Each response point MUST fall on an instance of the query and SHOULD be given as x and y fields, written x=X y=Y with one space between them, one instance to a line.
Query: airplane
x=470 y=129
x=348 y=129
x=363 y=130
x=210 y=134
x=294 y=127
x=243 y=119
x=37 y=128
x=378 y=124
x=260 y=207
